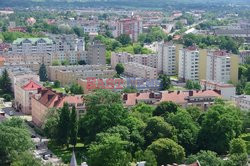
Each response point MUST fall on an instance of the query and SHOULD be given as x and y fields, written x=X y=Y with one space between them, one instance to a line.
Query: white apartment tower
x=189 y=64
x=218 y=66
x=167 y=58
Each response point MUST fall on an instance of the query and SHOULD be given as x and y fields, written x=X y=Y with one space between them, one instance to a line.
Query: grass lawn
x=66 y=154
x=59 y=90
x=177 y=88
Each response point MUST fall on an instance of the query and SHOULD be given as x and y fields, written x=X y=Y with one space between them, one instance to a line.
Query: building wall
x=203 y=64
x=38 y=112
x=234 y=68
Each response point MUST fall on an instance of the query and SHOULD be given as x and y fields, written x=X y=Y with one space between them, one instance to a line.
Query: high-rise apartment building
x=189 y=64
x=130 y=26
x=168 y=54
x=96 y=53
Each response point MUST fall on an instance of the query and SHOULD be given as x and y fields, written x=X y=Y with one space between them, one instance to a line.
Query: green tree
x=50 y=126
x=165 y=81
x=64 y=126
x=109 y=150
x=124 y=39
x=205 y=158
x=187 y=130
x=73 y=127
x=247 y=88
x=147 y=156
x=25 y=159
x=165 y=107
x=14 y=140
x=5 y=82
x=221 y=124
x=142 y=111
x=167 y=151
x=157 y=128
x=179 y=25
x=43 y=73
x=119 y=68
x=57 y=84
x=76 y=89
x=104 y=110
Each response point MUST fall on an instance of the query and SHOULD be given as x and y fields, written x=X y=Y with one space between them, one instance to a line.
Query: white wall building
x=138 y=70
x=242 y=101
x=218 y=66
x=227 y=90
x=189 y=64
x=167 y=58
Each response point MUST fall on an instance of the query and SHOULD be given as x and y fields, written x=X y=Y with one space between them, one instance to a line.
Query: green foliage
x=194 y=112
x=179 y=25
x=5 y=82
x=25 y=159
x=76 y=89
x=63 y=130
x=142 y=111
x=51 y=122
x=237 y=146
x=43 y=73
x=165 y=108
x=165 y=81
x=223 y=42
x=109 y=150
x=130 y=90
x=56 y=63
x=73 y=127
x=220 y=125
x=167 y=151
x=205 y=158
x=147 y=156
x=124 y=39
x=192 y=85
x=104 y=110
x=57 y=84
x=14 y=140
x=119 y=68
x=154 y=34
x=187 y=129
x=247 y=88
x=11 y=36
x=157 y=128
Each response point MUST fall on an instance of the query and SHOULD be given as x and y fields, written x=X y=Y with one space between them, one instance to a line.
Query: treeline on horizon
x=179 y=4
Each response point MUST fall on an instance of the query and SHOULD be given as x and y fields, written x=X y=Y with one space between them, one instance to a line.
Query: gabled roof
x=32 y=40
x=31 y=85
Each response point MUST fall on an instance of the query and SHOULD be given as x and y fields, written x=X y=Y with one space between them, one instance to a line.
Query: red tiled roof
x=176 y=97
x=211 y=93
x=2 y=59
x=50 y=98
x=31 y=85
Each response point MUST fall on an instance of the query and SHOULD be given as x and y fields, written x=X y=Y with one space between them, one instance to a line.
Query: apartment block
x=70 y=74
x=96 y=53
x=129 y=26
x=189 y=64
x=21 y=74
x=244 y=56
x=218 y=66
x=226 y=90
x=23 y=94
x=168 y=54
x=242 y=101
x=124 y=57
x=138 y=70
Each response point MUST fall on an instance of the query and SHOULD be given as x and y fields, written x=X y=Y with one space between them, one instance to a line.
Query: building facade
x=138 y=70
x=242 y=101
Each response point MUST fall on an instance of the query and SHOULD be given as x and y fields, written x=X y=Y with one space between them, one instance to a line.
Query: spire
x=73 y=160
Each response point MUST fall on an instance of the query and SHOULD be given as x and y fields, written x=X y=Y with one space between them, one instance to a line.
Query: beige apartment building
x=46 y=99
x=138 y=70
x=23 y=95
x=124 y=57
x=70 y=74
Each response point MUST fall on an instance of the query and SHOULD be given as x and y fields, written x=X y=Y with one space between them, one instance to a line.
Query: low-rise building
x=23 y=94
x=226 y=90
x=202 y=99
x=46 y=99
x=138 y=70
x=244 y=56
x=70 y=74
x=242 y=101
